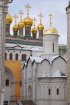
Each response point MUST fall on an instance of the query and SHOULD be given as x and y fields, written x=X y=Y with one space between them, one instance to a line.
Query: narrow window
x=49 y=91
x=23 y=57
x=7 y=82
x=10 y=56
x=53 y=47
x=16 y=57
x=5 y=56
x=57 y=90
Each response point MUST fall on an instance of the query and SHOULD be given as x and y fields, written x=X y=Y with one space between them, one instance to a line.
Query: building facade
x=35 y=64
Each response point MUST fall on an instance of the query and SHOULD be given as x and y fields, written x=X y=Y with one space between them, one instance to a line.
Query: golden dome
x=28 y=21
x=15 y=27
x=40 y=27
x=51 y=31
x=34 y=30
x=8 y=19
x=20 y=24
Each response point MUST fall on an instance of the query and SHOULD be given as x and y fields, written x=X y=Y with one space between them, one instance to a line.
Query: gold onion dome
x=8 y=19
x=51 y=31
x=15 y=27
x=20 y=24
x=40 y=27
x=34 y=30
x=28 y=21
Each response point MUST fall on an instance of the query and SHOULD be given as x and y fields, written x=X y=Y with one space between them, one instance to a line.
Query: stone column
x=3 y=11
x=68 y=52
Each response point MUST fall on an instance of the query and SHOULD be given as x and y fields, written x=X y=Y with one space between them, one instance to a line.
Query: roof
x=36 y=59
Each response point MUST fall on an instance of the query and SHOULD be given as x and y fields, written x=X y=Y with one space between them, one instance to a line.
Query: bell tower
x=50 y=40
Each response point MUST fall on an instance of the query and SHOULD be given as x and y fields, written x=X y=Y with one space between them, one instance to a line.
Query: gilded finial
x=34 y=20
x=21 y=14
x=41 y=16
x=15 y=17
x=28 y=7
x=50 y=15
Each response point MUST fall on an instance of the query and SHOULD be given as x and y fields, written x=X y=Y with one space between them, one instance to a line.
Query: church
x=35 y=63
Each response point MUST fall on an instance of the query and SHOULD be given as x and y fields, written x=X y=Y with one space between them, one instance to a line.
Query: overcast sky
x=56 y=7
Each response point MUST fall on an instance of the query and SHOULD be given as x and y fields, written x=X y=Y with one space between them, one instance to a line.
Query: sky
x=56 y=7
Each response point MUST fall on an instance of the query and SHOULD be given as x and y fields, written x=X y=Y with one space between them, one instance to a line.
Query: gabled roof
x=59 y=57
x=39 y=59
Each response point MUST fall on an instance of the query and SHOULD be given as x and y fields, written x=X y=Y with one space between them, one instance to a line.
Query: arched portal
x=9 y=88
x=29 y=92
x=15 y=68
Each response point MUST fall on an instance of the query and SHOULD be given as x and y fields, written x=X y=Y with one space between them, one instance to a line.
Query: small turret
x=50 y=40
x=15 y=27
x=21 y=25
x=40 y=27
x=28 y=22
x=34 y=30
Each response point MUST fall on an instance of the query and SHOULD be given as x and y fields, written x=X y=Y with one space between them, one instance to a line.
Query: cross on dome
x=15 y=17
x=21 y=14
x=28 y=7
x=50 y=15
x=41 y=16
x=34 y=20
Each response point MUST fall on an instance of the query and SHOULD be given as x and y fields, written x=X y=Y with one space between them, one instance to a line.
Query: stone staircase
x=30 y=102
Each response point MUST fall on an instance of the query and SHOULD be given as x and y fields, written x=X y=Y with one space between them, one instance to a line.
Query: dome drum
x=28 y=32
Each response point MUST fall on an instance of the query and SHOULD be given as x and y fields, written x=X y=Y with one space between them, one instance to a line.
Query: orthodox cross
x=15 y=17
x=34 y=20
x=21 y=13
x=50 y=15
x=41 y=16
x=28 y=7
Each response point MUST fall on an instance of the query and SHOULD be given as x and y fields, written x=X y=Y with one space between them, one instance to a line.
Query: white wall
x=59 y=65
x=9 y=90
x=48 y=41
x=44 y=69
x=42 y=96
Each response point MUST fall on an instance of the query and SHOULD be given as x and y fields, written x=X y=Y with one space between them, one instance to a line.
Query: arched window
x=57 y=90
x=10 y=56
x=49 y=91
x=23 y=57
x=16 y=57
x=7 y=82
x=5 y=56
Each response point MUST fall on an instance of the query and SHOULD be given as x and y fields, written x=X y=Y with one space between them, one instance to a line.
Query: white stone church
x=44 y=75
